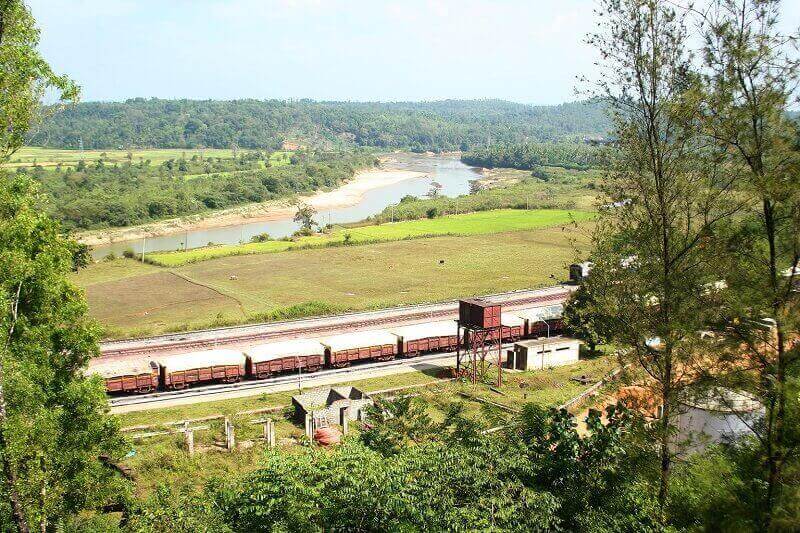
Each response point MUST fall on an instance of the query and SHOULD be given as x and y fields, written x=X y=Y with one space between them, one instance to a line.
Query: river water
x=447 y=170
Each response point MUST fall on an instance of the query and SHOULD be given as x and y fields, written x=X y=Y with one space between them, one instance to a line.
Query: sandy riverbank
x=347 y=195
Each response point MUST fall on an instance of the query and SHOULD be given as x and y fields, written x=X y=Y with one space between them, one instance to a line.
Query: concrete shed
x=537 y=354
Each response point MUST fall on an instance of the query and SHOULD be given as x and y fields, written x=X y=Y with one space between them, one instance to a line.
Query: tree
x=53 y=421
x=305 y=216
x=25 y=78
x=751 y=72
x=583 y=319
x=652 y=264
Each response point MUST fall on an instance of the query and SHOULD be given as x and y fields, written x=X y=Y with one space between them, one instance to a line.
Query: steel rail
x=316 y=325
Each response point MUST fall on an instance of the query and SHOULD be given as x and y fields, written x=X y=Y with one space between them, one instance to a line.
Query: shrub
x=110 y=257
x=261 y=237
x=128 y=254
x=433 y=212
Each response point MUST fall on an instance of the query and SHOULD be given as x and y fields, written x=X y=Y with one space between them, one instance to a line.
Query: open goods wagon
x=138 y=376
x=542 y=321
x=429 y=337
x=182 y=370
x=341 y=350
x=265 y=360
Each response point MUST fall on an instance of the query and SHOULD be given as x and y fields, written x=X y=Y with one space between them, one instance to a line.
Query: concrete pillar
x=309 y=427
x=345 y=424
x=188 y=435
x=230 y=440
x=269 y=432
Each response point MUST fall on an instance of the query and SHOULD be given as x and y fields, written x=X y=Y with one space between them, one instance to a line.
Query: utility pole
x=392 y=213
x=144 y=244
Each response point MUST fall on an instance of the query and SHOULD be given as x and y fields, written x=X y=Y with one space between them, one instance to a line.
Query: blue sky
x=522 y=50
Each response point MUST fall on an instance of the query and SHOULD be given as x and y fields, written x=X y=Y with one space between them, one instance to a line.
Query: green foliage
x=305 y=217
x=25 y=79
x=56 y=425
x=396 y=423
x=530 y=156
x=406 y=473
x=419 y=126
x=103 y=195
x=585 y=320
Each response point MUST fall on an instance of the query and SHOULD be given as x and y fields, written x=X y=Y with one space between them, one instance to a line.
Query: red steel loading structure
x=482 y=333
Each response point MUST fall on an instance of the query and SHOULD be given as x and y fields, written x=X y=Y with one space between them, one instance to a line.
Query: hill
x=420 y=126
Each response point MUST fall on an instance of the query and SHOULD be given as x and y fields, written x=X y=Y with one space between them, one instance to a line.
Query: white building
x=542 y=353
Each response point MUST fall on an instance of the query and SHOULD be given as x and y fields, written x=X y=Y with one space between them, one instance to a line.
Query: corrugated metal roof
x=511 y=320
x=290 y=348
x=359 y=339
x=119 y=368
x=188 y=361
x=415 y=332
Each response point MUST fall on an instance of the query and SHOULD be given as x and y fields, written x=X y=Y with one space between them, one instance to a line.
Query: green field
x=478 y=223
x=130 y=298
x=50 y=157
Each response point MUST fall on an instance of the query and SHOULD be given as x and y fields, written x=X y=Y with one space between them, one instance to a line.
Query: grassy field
x=29 y=155
x=478 y=223
x=163 y=460
x=130 y=298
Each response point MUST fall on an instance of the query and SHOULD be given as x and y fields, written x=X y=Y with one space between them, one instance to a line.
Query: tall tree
x=752 y=72
x=651 y=263
x=53 y=426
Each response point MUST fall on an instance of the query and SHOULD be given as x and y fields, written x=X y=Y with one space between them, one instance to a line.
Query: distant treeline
x=419 y=126
x=529 y=156
x=100 y=195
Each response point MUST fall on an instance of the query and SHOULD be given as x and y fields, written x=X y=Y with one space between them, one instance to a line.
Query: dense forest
x=528 y=156
x=99 y=195
x=265 y=124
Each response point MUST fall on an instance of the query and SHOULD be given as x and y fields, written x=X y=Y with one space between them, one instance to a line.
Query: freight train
x=178 y=371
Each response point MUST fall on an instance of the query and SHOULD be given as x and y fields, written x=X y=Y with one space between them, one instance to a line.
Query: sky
x=528 y=51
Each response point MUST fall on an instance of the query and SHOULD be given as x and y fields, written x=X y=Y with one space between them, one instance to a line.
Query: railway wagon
x=542 y=321
x=341 y=350
x=417 y=339
x=182 y=370
x=138 y=376
x=265 y=360
x=512 y=327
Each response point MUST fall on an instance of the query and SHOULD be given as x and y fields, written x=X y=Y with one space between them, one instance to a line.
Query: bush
x=261 y=237
x=110 y=257
x=128 y=254
x=433 y=212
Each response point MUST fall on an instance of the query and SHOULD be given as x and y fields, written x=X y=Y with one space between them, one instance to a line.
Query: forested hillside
x=420 y=126
x=528 y=156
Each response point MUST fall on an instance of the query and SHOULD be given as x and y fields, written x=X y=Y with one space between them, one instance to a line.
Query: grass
x=29 y=155
x=262 y=401
x=162 y=459
x=132 y=299
x=478 y=223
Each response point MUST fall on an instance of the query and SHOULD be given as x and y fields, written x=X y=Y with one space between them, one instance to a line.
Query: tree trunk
x=666 y=459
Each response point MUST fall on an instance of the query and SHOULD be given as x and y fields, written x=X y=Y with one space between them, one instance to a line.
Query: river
x=447 y=170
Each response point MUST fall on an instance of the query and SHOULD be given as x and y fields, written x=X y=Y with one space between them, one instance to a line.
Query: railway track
x=209 y=391
x=321 y=325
